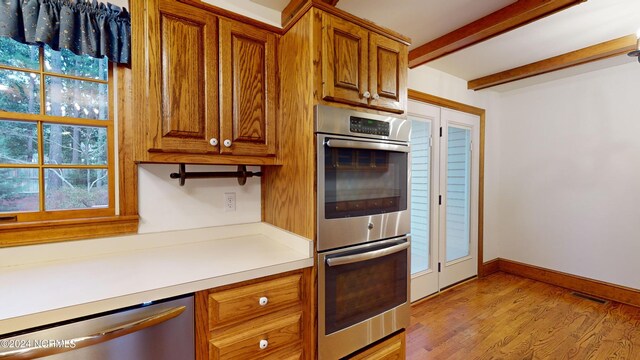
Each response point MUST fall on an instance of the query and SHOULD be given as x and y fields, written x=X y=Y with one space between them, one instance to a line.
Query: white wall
x=164 y=205
x=568 y=194
x=438 y=83
x=253 y=9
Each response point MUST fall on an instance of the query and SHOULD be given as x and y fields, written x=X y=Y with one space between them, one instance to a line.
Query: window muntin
x=56 y=134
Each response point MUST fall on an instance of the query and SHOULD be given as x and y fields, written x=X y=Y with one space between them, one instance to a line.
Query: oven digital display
x=368 y=126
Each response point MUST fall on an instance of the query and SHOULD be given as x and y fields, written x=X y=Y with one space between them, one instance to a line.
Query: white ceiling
x=422 y=20
x=586 y=24
x=583 y=25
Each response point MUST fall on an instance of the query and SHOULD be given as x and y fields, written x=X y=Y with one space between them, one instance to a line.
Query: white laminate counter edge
x=239 y=258
x=76 y=311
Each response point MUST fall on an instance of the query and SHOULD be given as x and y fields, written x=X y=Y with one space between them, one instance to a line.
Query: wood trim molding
x=490 y=267
x=293 y=11
x=510 y=17
x=438 y=101
x=127 y=168
x=596 y=52
x=601 y=289
x=64 y=230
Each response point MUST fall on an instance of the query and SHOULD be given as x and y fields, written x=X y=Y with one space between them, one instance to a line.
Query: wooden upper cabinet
x=184 y=79
x=248 y=89
x=213 y=88
x=388 y=61
x=362 y=68
x=344 y=61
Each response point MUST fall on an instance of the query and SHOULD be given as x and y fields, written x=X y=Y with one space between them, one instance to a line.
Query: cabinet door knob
x=213 y=142
x=263 y=301
x=376 y=96
x=366 y=95
x=227 y=143
x=263 y=344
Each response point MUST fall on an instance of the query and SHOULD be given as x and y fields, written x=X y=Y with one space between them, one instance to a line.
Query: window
x=56 y=135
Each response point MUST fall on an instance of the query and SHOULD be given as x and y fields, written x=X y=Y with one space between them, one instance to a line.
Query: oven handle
x=349 y=259
x=350 y=144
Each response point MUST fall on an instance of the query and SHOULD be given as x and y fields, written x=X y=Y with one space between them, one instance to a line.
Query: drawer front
x=248 y=301
x=244 y=341
x=294 y=353
x=390 y=349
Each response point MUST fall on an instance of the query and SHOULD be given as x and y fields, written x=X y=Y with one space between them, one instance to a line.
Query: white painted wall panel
x=164 y=205
x=569 y=194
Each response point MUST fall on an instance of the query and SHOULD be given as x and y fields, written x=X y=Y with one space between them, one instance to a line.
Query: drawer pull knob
x=263 y=344
x=263 y=301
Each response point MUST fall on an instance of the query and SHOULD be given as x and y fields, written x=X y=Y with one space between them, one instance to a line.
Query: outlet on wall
x=229 y=201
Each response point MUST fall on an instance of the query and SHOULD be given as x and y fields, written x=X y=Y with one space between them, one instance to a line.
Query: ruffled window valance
x=81 y=26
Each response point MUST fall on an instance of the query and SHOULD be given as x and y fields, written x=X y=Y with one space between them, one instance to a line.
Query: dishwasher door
x=158 y=330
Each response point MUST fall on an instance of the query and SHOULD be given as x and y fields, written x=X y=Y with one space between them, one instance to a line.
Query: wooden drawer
x=392 y=348
x=282 y=332
x=243 y=303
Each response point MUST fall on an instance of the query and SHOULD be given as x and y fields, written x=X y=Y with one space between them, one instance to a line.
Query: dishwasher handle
x=97 y=338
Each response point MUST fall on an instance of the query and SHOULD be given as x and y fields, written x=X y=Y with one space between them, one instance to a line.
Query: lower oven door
x=363 y=295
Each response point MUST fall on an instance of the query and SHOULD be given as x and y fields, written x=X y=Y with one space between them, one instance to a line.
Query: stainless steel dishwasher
x=158 y=330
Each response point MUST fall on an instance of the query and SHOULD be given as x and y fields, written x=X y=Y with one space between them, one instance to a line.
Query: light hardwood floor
x=508 y=317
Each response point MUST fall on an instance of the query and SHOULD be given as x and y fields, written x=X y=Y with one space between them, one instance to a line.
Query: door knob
x=213 y=142
x=366 y=95
x=227 y=143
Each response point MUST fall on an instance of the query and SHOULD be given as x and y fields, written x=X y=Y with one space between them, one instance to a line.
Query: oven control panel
x=368 y=126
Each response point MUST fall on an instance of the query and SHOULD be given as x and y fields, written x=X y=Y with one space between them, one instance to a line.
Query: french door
x=444 y=197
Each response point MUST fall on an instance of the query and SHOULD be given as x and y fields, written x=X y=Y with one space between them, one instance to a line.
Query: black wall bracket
x=242 y=174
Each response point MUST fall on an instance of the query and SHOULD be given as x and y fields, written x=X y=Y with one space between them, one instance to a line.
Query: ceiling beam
x=508 y=18
x=596 y=52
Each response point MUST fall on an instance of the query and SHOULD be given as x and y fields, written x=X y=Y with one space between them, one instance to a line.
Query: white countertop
x=47 y=283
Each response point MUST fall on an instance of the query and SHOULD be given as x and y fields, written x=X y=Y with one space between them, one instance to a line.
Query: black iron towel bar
x=242 y=174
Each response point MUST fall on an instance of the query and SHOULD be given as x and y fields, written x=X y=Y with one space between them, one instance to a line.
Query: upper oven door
x=363 y=189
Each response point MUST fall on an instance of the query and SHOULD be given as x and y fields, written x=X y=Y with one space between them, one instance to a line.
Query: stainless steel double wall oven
x=363 y=225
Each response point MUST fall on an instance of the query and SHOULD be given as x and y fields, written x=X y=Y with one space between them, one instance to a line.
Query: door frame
x=454 y=105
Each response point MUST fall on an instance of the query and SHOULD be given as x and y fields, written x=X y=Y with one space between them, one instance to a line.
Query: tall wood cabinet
x=332 y=58
x=212 y=88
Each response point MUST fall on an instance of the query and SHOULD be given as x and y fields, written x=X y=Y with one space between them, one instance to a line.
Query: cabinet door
x=249 y=89
x=388 y=64
x=344 y=61
x=183 y=79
